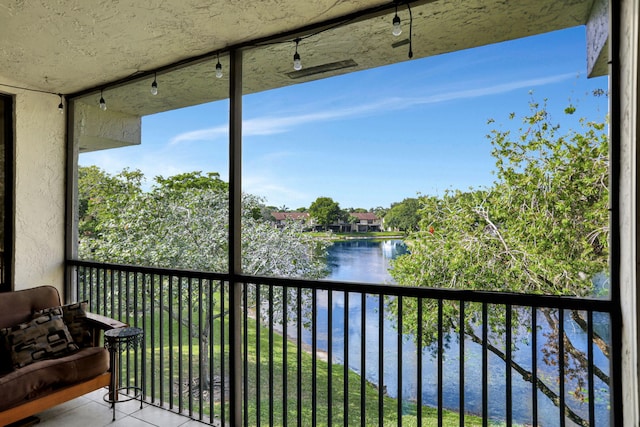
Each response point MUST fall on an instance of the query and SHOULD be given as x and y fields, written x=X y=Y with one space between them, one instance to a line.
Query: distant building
x=366 y=221
x=282 y=217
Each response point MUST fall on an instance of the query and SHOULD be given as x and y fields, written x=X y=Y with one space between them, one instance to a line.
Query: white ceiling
x=67 y=46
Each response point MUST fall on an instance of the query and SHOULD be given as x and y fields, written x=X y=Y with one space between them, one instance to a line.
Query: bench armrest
x=104 y=322
x=97 y=323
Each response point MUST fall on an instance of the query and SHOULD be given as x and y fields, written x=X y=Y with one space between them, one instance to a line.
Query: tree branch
x=600 y=342
x=528 y=376
x=577 y=354
x=495 y=231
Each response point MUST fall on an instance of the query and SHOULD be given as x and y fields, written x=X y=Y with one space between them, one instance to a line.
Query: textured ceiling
x=66 y=46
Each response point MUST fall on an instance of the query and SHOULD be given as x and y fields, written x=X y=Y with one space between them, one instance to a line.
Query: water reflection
x=368 y=261
x=365 y=261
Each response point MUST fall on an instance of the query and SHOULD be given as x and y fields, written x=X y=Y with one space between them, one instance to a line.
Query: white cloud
x=278 y=195
x=271 y=125
x=490 y=90
x=202 y=135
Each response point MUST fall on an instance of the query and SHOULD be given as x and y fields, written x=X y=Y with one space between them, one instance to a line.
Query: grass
x=368 y=235
x=277 y=403
x=290 y=399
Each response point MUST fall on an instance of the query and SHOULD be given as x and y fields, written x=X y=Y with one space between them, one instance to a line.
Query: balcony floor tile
x=92 y=410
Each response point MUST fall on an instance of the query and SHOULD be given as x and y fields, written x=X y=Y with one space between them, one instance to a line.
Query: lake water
x=367 y=261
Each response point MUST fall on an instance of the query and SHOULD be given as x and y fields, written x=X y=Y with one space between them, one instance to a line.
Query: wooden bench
x=19 y=307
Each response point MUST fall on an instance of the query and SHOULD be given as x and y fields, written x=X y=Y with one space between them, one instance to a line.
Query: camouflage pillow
x=75 y=317
x=42 y=338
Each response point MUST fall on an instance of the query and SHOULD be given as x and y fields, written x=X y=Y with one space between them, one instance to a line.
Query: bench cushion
x=41 y=377
x=19 y=306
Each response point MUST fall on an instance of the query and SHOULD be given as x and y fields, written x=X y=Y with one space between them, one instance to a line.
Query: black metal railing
x=331 y=353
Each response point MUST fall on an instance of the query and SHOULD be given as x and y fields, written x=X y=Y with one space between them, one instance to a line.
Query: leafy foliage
x=325 y=211
x=543 y=227
x=404 y=215
x=182 y=222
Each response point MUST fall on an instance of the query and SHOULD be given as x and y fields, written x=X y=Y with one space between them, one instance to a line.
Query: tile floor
x=91 y=410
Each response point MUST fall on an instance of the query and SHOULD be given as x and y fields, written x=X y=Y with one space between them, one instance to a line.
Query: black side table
x=116 y=341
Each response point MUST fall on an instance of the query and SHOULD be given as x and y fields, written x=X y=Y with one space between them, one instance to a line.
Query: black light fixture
x=154 y=85
x=103 y=104
x=410 y=31
x=218 y=67
x=397 y=29
x=297 y=64
x=61 y=105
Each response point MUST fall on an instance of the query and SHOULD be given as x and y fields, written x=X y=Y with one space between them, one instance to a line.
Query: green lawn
x=369 y=235
x=283 y=403
x=322 y=393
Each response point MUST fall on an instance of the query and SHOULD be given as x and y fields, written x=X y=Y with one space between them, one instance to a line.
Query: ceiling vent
x=324 y=68
x=400 y=43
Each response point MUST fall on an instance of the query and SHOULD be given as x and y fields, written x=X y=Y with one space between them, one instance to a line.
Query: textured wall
x=628 y=56
x=98 y=130
x=39 y=190
x=598 y=39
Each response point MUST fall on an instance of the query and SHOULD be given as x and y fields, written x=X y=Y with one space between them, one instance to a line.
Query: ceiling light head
x=218 y=69
x=154 y=86
x=102 y=103
x=61 y=105
x=397 y=28
x=297 y=64
x=410 y=31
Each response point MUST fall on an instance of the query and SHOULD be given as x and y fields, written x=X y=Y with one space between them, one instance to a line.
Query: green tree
x=265 y=212
x=543 y=227
x=379 y=211
x=403 y=216
x=100 y=195
x=325 y=211
x=192 y=180
x=182 y=222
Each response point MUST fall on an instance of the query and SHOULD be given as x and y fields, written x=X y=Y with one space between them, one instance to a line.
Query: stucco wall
x=598 y=39
x=628 y=57
x=39 y=189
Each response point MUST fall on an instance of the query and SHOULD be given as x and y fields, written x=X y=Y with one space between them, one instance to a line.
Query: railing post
x=235 y=245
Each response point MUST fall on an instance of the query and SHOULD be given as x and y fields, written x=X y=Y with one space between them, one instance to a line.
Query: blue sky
x=376 y=137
